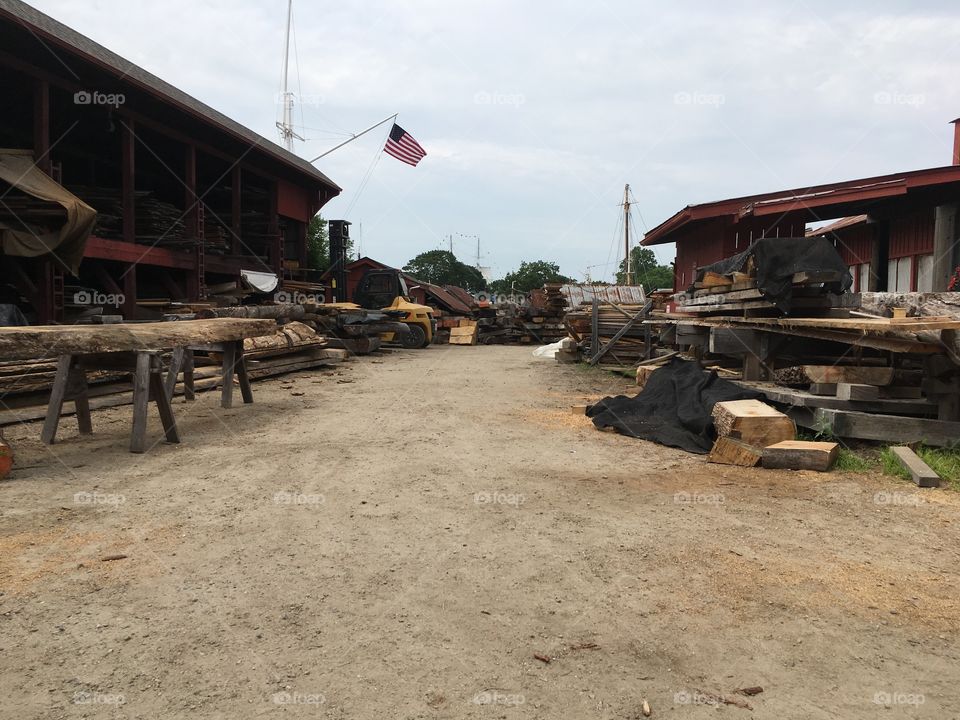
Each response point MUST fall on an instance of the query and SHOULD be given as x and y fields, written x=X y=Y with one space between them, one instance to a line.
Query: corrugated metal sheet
x=912 y=234
x=619 y=294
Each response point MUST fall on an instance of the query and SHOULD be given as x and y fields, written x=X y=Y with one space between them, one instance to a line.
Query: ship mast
x=287 y=133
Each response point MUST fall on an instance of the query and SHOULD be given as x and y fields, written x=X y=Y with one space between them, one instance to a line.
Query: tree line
x=441 y=267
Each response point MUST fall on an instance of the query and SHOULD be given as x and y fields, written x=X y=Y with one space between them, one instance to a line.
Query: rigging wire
x=366 y=179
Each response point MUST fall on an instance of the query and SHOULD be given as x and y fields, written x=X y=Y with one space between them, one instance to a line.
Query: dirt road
x=401 y=538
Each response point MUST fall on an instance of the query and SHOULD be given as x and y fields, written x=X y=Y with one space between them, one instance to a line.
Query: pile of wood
x=466 y=333
x=751 y=433
x=619 y=331
x=736 y=292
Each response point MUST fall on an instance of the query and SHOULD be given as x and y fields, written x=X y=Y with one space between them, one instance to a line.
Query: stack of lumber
x=556 y=302
x=217 y=239
x=157 y=222
x=720 y=294
x=630 y=347
x=466 y=333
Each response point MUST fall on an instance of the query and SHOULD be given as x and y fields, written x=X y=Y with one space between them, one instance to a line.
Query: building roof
x=837 y=225
x=841 y=194
x=45 y=28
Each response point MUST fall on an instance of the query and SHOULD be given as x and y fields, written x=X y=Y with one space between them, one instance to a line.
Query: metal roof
x=39 y=24
x=818 y=196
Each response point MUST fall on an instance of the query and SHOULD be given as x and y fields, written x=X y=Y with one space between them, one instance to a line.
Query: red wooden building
x=186 y=197
x=897 y=232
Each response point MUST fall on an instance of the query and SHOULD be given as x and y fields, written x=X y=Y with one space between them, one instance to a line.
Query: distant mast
x=286 y=126
x=627 y=260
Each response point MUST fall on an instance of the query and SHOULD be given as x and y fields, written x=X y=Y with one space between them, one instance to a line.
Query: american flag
x=403 y=147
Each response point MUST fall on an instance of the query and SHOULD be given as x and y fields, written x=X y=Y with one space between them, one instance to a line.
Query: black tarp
x=777 y=260
x=673 y=409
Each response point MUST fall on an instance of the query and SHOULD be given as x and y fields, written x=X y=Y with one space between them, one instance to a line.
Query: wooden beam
x=887 y=428
x=235 y=221
x=41 y=125
x=801 y=455
x=920 y=472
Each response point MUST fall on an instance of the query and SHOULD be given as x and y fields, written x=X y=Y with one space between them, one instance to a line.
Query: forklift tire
x=414 y=339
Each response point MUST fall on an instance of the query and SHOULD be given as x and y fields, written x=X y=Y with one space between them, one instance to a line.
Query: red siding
x=912 y=234
x=855 y=244
x=294 y=201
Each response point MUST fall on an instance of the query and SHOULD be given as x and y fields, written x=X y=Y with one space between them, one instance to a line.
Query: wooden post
x=595 y=326
x=41 y=125
x=229 y=363
x=235 y=224
x=141 y=398
x=57 y=396
x=190 y=191
x=946 y=254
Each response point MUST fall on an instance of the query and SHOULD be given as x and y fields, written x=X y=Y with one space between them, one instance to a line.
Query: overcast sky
x=535 y=114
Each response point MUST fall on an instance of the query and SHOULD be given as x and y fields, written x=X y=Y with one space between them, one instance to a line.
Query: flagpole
x=392 y=117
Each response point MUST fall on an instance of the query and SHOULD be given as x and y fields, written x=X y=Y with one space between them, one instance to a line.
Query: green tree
x=645 y=270
x=529 y=276
x=318 y=245
x=441 y=267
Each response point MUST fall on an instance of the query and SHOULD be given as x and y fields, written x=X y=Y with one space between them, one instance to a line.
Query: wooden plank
x=801 y=455
x=887 y=428
x=922 y=474
x=44 y=341
x=877 y=325
x=734 y=341
x=803 y=398
x=827 y=389
x=857 y=392
x=730 y=451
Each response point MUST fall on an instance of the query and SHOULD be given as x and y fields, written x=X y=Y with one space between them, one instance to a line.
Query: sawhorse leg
x=70 y=383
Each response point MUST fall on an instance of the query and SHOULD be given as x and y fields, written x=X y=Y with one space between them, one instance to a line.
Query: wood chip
x=754 y=690
x=108 y=558
x=542 y=658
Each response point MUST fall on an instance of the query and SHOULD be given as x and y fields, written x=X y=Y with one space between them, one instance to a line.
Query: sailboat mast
x=286 y=129
x=626 y=235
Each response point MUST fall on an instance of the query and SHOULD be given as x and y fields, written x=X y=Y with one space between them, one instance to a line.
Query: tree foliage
x=318 y=245
x=529 y=276
x=645 y=270
x=441 y=267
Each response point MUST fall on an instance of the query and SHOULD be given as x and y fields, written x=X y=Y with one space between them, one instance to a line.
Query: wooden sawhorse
x=234 y=362
x=70 y=383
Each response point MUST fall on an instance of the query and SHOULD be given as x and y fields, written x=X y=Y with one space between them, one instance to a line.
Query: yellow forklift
x=382 y=295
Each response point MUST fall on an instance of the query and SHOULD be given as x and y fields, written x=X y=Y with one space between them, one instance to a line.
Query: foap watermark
x=83 y=697
x=85 y=297
x=885 y=97
x=297 y=298
x=297 y=498
x=699 y=98
x=97 y=498
x=686 y=697
x=95 y=97
x=495 y=697
x=298 y=698
x=891 y=698
x=695 y=498
x=483 y=97
x=892 y=497
x=499 y=498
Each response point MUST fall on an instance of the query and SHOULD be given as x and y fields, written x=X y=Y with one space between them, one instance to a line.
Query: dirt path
x=402 y=545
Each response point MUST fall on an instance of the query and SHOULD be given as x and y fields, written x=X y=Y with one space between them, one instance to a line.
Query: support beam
x=946 y=255
x=41 y=125
x=127 y=153
x=190 y=191
x=235 y=225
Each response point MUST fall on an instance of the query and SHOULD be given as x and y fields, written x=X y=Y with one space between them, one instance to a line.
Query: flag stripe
x=403 y=147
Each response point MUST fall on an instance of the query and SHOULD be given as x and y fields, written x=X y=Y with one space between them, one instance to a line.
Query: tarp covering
x=778 y=259
x=67 y=242
x=673 y=409
x=260 y=281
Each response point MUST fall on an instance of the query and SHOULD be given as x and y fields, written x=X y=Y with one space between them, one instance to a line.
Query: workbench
x=135 y=348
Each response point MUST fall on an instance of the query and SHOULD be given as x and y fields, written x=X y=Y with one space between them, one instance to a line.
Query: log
x=801 y=455
x=922 y=474
x=753 y=422
x=828 y=374
x=293 y=311
x=728 y=451
x=44 y=341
